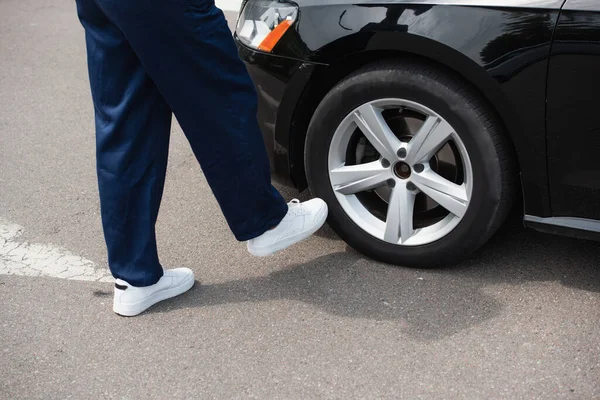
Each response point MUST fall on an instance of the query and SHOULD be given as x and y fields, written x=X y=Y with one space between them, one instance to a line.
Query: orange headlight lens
x=263 y=23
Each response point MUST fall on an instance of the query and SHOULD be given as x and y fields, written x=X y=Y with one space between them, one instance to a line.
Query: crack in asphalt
x=35 y=259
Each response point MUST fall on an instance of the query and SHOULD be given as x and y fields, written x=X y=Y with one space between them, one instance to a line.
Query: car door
x=573 y=112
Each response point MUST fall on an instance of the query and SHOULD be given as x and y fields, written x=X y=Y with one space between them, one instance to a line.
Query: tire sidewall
x=449 y=100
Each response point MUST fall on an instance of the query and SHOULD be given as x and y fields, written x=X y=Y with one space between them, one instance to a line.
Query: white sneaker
x=131 y=300
x=300 y=222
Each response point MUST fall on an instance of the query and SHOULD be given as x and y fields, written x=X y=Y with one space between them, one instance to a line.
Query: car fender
x=503 y=52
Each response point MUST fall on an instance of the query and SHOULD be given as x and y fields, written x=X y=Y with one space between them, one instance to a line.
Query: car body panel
x=573 y=123
x=581 y=5
x=503 y=51
x=517 y=53
x=279 y=83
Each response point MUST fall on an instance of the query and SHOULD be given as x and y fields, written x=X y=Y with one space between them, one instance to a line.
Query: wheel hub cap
x=402 y=170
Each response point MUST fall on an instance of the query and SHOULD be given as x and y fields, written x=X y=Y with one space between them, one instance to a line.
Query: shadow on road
x=427 y=304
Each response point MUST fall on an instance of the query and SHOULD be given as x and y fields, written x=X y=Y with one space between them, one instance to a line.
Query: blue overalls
x=148 y=60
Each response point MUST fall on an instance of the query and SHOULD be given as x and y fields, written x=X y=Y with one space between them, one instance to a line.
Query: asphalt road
x=520 y=319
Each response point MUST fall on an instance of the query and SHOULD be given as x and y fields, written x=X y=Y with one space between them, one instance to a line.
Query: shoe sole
x=131 y=310
x=297 y=238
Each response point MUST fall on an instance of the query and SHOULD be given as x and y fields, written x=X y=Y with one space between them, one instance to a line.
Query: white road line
x=32 y=259
x=229 y=5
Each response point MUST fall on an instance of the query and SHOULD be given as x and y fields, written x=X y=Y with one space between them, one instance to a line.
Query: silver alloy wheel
x=405 y=167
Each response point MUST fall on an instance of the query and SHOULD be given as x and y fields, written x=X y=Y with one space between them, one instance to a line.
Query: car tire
x=489 y=153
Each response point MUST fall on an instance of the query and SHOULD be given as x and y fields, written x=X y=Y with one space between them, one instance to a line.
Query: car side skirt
x=580 y=228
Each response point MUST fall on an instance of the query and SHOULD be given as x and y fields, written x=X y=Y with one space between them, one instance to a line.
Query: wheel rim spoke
x=449 y=195
x=372 y=124
x=430 y=138
x=353 y=179
x=399 y=221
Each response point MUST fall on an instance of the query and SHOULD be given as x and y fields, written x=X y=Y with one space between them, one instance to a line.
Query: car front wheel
x=413 y=164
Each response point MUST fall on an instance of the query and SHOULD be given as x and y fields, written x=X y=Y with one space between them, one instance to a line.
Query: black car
x=422 y=123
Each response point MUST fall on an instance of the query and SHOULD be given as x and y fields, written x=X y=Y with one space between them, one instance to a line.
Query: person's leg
x=133 y=124
x=187 y=49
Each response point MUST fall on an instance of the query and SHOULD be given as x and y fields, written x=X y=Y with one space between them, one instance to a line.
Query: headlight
x=263 y=23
